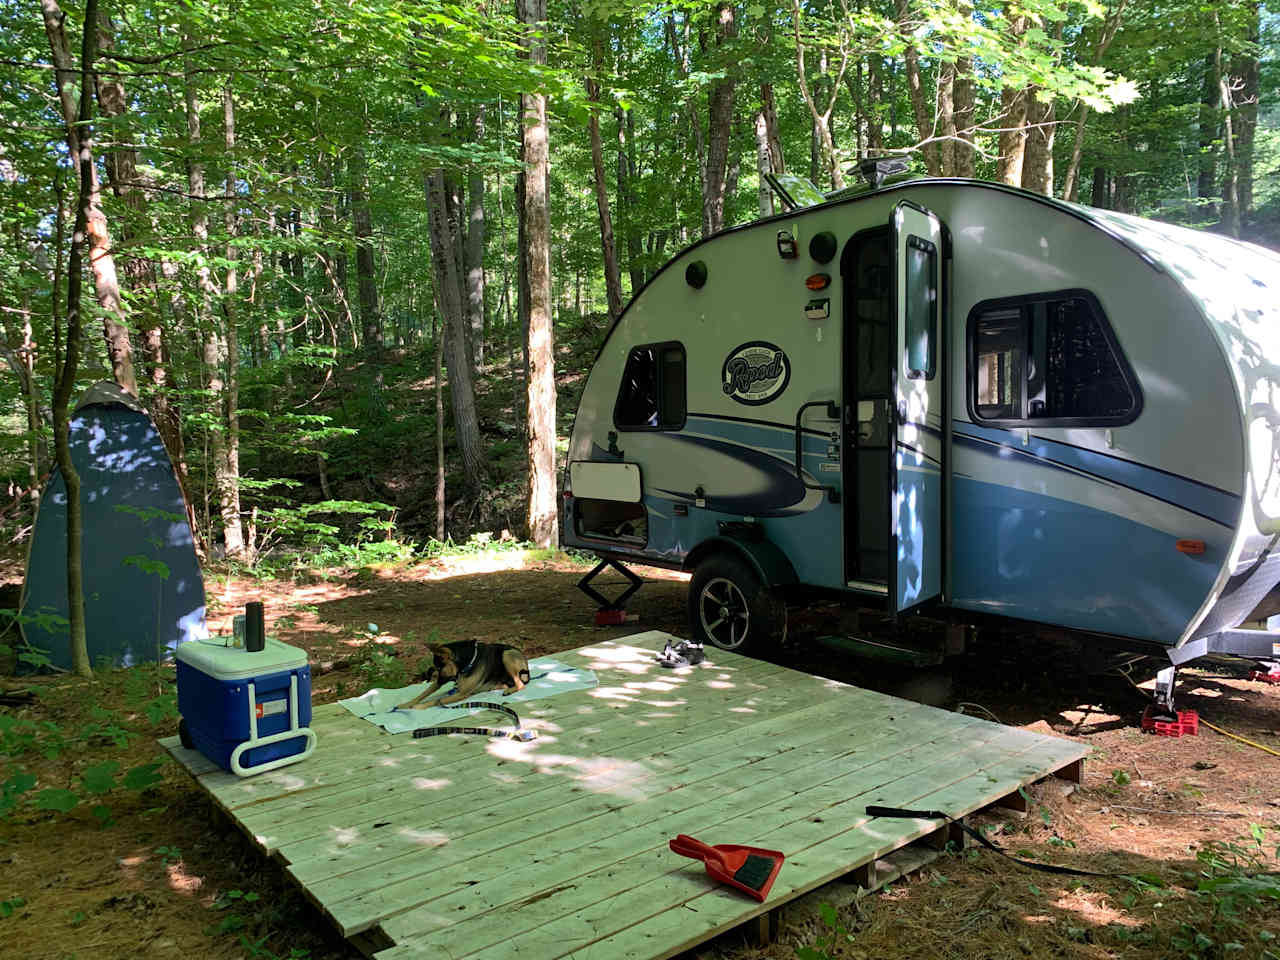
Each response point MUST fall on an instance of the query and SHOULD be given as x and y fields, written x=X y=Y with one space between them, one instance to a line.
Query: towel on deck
x=547 y=678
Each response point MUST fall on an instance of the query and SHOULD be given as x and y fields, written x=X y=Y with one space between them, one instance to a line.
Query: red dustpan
x=751 y=869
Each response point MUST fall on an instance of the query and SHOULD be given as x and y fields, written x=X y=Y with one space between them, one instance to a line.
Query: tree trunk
x=101 y=260
x=1013 y=121
x=1230 y=198
x=1109 y=28
x=875 y=95
x=1209 y=125
x=473 y=251
x=1098 y=196
x=1013 y=136
x=1037 y=164
x=911 y=58
x=437 y=331
x=626 y=198
x=66 y=366
x=228 y=469
x=362 y=221
x=946 y=119
x=1246 y=81
x=446 y=263
x=126 y=183
x=763 y=166
x=612 y=277
x=719 y=126
x=535 y=213
x=965 y=98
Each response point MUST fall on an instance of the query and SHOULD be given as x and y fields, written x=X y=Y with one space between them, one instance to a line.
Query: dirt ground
x=168 y=875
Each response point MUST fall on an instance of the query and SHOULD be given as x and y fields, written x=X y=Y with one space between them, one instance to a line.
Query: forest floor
x=168 y=876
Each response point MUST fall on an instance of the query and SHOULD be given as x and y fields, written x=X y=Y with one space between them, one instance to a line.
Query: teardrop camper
x=951 y=398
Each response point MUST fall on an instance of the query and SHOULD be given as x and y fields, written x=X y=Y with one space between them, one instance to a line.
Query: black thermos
x=255 y=637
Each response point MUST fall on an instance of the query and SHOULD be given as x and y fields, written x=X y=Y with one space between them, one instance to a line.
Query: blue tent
x=143 y=590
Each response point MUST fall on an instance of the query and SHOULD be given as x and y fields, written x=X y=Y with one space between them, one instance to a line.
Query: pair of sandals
x=683 y=654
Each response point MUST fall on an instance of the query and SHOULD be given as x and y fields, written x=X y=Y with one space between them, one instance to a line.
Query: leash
x=899 y=813
x=515 y=734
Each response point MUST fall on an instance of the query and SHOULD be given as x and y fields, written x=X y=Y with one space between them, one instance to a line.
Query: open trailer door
x=916 y=468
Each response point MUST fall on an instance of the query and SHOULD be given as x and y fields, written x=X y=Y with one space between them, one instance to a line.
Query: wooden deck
x=467 y=847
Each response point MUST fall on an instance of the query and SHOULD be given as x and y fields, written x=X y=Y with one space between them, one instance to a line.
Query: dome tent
x=143 y=590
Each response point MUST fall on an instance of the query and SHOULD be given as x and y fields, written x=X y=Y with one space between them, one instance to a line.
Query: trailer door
x=916 y=468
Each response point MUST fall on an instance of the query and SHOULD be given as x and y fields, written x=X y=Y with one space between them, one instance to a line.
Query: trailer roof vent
x=876 y=170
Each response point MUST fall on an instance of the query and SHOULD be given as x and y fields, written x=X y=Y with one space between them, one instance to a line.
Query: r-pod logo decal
x=755 y=373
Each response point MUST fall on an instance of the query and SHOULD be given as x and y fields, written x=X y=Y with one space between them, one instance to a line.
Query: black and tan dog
x=476 y=666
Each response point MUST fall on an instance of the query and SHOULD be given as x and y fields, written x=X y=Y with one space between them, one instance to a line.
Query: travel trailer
x=950 y=398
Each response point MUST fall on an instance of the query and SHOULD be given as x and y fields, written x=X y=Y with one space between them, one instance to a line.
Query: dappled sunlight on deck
x=560 y=843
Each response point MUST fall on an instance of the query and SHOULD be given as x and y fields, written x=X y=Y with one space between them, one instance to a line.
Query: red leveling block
x=1188 y=722
x=1271 y=676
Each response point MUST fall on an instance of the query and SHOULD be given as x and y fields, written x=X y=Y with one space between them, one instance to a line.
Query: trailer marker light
x=817 y=281
x=823 y=246
x=1192 y=547
x=695 y=275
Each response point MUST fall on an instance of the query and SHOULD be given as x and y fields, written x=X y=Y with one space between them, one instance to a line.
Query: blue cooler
x=247 y=712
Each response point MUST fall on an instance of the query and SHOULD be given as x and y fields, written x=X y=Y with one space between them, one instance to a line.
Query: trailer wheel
x=730 y=608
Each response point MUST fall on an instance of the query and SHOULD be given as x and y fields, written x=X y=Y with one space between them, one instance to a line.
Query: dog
x=476 y=666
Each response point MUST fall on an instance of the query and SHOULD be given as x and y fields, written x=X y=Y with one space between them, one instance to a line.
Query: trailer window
x=652 y=394
x=1049 y=359
x=922 y=308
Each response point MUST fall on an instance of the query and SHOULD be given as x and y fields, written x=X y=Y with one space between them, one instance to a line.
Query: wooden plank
x=400 y=774
x=655 y=882
x=193 y=761
x=777 y=739
x=716 y=911
x=581 y=847
x=337 y=767
x=541 y=784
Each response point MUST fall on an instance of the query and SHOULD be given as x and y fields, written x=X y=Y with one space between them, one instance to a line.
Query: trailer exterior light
x=823 y=246
x=817 y=281
x=695 y=274
x=1191 y=547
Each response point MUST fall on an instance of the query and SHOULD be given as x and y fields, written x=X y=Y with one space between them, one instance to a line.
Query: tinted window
x=922 y=308
x=652 y=393
x=1049 y=359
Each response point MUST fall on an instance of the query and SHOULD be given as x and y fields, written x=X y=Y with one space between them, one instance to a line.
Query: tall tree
x=444 y=202
x=473 y=251
x=66 y=360
x=228 y=467
x=101 y=260
x=612 y=277
x=362 y=222
x=536 y=216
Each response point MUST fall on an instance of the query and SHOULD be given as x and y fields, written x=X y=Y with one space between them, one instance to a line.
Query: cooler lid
x=236 y=663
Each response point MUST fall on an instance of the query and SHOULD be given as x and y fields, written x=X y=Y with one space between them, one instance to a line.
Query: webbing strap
x=515 y=733
x=899 y=813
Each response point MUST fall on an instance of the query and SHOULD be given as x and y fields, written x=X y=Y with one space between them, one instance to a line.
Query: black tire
x=185 y=735
x=730 y=608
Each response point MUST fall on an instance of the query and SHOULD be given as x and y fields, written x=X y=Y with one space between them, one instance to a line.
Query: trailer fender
x=764 y=556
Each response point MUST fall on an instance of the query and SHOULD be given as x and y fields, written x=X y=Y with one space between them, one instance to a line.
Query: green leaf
x=139 y=778
x=55 y=799
x=101 y=778
x=102 y=813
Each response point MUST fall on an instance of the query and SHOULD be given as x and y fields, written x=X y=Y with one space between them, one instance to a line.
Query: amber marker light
x=1192 y=547
x=818 y=281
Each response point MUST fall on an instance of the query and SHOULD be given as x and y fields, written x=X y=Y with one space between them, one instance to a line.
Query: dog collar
x=475 y=653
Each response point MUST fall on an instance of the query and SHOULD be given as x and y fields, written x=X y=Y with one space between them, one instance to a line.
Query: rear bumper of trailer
x=1250 y=644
